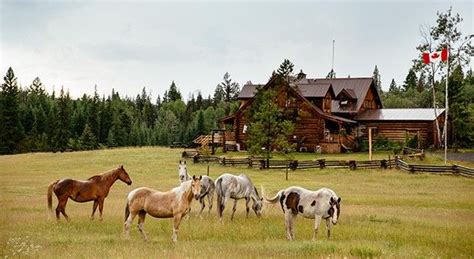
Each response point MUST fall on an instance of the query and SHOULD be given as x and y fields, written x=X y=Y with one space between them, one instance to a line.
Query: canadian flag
x=436 y=56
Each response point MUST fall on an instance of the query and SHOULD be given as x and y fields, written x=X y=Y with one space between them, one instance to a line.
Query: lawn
x=384 y=213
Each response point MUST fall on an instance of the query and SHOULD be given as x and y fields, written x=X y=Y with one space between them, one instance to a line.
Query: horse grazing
x=323 y=203
x=96 y=189
x=237 y=187
x=207 y=186
x=172 y=204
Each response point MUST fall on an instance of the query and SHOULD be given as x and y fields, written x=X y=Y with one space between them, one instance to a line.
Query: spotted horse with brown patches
x=317 y=205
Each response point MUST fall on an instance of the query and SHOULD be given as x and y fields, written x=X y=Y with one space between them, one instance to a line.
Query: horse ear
x=184 y=162
x=121 y=166
x=194 y=177
x=339 y=200
x=200 y=177
x=331 y=200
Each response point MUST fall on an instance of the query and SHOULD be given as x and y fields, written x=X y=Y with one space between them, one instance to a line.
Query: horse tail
x=127 y=211
x=220 y=197
x=50 y=195
x=274 y=199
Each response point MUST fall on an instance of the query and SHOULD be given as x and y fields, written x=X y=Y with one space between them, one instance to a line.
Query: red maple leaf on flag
x=435 y=55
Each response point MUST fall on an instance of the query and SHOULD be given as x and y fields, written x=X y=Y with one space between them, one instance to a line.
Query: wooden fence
x=436 y=169
x=259 y=162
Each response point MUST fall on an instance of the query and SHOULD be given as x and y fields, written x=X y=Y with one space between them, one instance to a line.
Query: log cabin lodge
x=333 y=115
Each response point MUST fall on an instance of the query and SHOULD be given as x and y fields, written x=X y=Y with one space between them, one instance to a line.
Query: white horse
x=207 y=186
x=171 y=204
x=237 y=187
x=323 y=203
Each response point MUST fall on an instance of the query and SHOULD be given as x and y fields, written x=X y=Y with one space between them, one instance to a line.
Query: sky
x=128 y=45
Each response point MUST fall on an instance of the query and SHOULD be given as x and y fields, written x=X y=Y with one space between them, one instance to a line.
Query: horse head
x=257 y=206
x=182 y=171
x=196 y=186
x=334 y=209
x=123 y=175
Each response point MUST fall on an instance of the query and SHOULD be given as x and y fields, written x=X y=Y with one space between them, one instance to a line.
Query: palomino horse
x=172 y=204
x=323 y=203
x=237 y=187
x=207 y=186
x=94 y=189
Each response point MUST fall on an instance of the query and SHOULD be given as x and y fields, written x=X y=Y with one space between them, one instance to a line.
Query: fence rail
x=260 y=162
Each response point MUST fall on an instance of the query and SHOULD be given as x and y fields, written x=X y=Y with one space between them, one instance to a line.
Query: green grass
x=385 y=213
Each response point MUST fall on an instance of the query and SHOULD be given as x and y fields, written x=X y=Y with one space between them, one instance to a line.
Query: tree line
x=33 y=120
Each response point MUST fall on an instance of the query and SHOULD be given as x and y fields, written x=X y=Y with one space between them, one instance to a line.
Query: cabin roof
x=315 y=90
x=356 y=87
x=248 y=91
x=412 y=114
x=250 y=88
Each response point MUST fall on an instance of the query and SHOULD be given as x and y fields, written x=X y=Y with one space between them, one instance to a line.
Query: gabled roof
x=356 y=87
x=412 y=114
x=297 y=93
x=248 y=91
x=315 y=90
x=350 y=93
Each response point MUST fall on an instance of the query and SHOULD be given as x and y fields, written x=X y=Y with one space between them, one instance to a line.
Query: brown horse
x=94 y=189
x=172 y=204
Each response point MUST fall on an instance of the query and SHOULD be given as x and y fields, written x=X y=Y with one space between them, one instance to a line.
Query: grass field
x=384 y=213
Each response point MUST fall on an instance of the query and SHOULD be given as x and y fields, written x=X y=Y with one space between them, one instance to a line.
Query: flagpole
x=446 y=113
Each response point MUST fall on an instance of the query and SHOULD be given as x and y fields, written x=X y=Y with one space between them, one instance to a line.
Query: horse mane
x=103 y=176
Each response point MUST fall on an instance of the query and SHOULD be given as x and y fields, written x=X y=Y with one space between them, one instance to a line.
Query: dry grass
x=384 y=213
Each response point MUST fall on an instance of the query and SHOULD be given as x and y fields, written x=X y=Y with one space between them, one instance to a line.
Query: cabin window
x=244 y=130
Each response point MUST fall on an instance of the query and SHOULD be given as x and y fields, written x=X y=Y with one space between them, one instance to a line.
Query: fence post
x=389 y=162
x=383 y=164
x=262 y=164
x=196 y=159
x=249 y=161
x=322 y=163
x=352 y=165
x=207 y=169
x=286 y=171
x=396 y=163
x=412 y=168
x=455 y=169
x=223 y=161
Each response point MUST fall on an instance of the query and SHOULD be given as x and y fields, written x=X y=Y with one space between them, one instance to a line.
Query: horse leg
x=203 y=205
x=328 y=226
x=247 y=201
x=209 y=199
x=176 y=222
x=62 y=207
x=234 y=209
x=317 y=222
x=222 y=207
x=292 y=229
x=288 y=222
x=128 y=223
x=101 y=207
x=94 y=208
x=141 y=221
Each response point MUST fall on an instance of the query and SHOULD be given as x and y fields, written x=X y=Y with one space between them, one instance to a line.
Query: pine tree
x=377 y=80
x=286 y=68
x=393 y=86
x=62 y=122
x=420 y=86
x=267 y=126
x=173 y=93
x=88 y=140
x=230 y=89
x=11 y=129
x=410 y=81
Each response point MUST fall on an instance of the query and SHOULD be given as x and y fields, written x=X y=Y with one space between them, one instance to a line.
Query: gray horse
x=237 y=187
x=207 y=186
